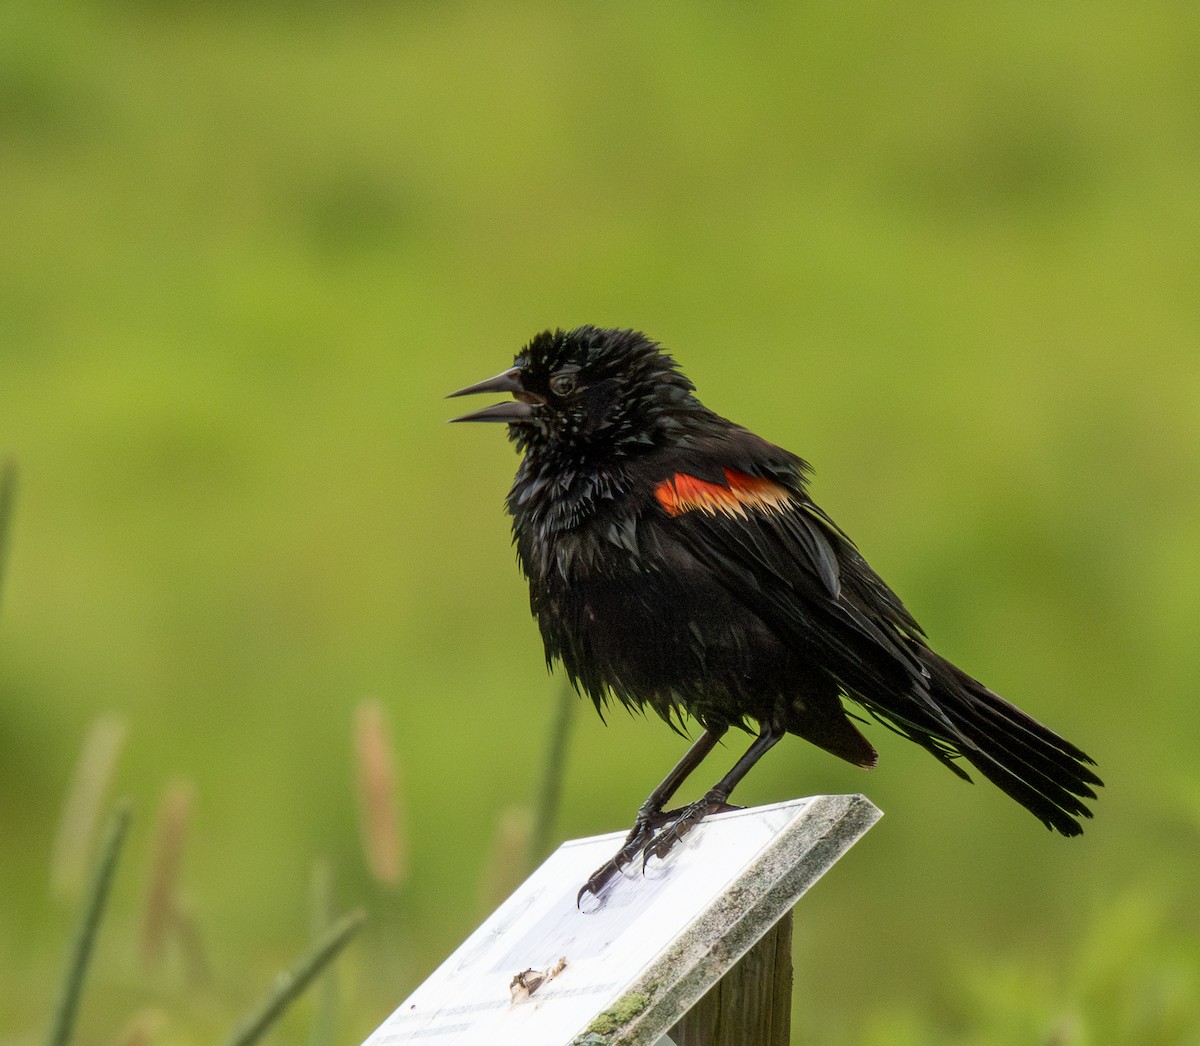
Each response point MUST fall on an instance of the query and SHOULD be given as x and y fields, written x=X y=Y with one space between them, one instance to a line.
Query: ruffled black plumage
x=676 y=562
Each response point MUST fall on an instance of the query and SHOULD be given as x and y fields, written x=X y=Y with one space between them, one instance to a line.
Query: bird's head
x=589 y=391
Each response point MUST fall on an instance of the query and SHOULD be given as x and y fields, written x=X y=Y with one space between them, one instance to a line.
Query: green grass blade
x=8 y=497
x=89 y=922
x=550 y=791
x=324 y=1026
x=290 y=985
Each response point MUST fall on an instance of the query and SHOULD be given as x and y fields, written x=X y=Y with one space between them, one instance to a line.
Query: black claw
x=681 y=823
x=665 y=841
x=595 y=885
x=599 y=880
x=639 y=835
x=654 y=834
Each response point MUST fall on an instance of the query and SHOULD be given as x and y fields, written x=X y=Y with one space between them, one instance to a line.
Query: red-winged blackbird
x=676 y=561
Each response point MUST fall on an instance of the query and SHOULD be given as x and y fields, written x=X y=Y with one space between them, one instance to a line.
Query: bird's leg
x=713 y=801
x=650 y=814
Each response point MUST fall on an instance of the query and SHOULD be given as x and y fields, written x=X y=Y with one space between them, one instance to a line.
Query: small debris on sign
x=525 y=983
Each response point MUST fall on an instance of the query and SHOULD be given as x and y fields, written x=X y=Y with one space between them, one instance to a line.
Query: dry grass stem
x=161 y=911
x=379 y=810
x=145 y=1027
x=94 y=771
x=507 y=861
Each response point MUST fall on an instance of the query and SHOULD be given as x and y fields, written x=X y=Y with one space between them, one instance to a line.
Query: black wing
x=747 y=517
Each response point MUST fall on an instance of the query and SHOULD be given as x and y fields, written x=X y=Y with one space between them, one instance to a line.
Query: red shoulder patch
x=683 y=493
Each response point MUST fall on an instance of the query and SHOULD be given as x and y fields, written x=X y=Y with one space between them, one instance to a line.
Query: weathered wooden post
x=695 y=953
x=751 y=1004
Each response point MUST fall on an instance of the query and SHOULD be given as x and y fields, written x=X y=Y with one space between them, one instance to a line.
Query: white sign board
x=539 y=972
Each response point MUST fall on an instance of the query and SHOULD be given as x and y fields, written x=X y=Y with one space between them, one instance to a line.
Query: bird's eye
x=563 y=383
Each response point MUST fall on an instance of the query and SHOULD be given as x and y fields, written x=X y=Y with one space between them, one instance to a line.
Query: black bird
x=676 y=561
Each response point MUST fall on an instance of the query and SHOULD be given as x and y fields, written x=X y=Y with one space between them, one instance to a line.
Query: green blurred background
x=949 y=253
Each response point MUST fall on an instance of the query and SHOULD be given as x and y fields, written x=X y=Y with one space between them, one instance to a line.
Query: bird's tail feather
x=1046 y=774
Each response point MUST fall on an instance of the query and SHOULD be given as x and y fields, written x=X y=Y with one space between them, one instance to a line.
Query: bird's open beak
x=519 y=409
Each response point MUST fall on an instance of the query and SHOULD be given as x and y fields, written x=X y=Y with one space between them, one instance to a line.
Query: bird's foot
x=681 y=822
x=654 y=834
x=648 y=821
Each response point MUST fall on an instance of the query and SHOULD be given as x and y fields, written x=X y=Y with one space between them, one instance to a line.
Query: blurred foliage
x=948 y=253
